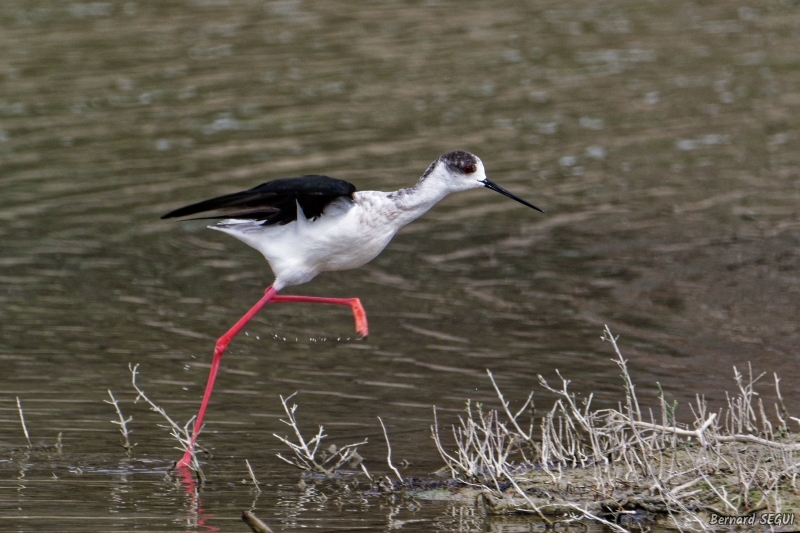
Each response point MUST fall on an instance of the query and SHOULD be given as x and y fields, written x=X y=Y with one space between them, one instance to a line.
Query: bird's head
x=461 y=171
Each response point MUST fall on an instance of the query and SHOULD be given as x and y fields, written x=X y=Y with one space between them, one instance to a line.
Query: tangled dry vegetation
x=609 y=465
x=307 y=454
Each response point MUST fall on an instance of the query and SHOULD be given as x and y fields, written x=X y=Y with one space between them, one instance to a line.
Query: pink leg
x=355 y=304
x=222 y=343
x=219 y=349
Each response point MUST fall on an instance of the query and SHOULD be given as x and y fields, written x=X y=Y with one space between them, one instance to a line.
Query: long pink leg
x=222 y=343
x=219 y=349
x=355 y=304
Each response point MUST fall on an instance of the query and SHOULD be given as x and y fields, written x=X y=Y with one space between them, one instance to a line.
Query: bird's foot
x=361 y=317
x=186 y=460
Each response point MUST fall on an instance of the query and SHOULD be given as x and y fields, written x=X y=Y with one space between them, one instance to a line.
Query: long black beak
x=495 y=187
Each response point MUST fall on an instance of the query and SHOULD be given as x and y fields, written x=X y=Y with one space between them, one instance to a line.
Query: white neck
x=437 y=182
x=413 y=202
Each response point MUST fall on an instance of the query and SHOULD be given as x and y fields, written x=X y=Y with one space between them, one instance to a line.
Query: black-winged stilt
x=313 y=224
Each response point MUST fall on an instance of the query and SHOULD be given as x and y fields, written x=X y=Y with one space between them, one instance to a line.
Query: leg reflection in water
x=196 y=518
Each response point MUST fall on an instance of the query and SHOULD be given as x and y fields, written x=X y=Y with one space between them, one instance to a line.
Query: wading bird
x=312 y=224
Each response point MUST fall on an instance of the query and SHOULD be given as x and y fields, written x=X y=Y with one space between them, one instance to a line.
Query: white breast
x=347 y=235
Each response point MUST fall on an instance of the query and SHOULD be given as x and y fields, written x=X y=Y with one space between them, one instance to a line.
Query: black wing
x=274 y=201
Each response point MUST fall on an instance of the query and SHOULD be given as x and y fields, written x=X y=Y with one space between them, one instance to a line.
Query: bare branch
x=389 y=452
x=122 y=423
x=183 y=434
x=22 y=421
x=252 y=476
x=305 y=452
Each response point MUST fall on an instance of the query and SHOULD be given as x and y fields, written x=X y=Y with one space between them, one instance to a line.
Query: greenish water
x=661 y=139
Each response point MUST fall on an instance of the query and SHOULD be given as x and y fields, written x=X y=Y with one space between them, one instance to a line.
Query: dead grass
x=603 y=464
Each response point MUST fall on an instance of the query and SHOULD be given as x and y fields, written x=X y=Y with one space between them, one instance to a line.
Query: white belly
x=346 y=236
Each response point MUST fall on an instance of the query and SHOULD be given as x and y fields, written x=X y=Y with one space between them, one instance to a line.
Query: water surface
x=660 y=138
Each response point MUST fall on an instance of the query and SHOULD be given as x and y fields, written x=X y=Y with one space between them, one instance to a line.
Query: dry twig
x=389 y=453
x=22 y=421
x=122 y=423
x=305 y=452
x=252 y=476
x=183 y=434
x=255 y=525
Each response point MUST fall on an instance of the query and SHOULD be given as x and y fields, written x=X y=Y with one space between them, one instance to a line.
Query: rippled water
x=661 y=139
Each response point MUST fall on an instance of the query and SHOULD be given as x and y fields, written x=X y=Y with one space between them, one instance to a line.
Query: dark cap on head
x=460 y=161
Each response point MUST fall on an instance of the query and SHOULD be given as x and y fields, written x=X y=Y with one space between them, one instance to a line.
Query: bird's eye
x=469 y=169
